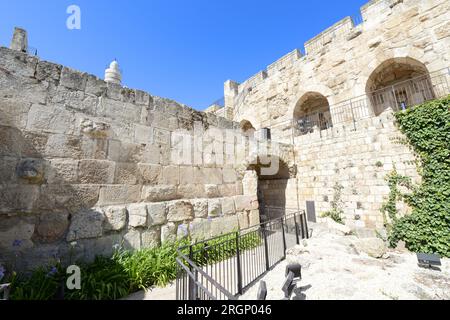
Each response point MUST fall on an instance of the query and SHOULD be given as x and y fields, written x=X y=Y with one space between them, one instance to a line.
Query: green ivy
x=427 y=228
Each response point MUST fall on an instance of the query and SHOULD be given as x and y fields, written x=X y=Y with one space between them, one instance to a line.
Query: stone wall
x=359 y=160
x=86 y=165
x=339 y=61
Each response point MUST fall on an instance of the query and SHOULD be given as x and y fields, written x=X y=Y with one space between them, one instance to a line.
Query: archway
x=397 y=84
x=271 y=174
x=312 y=112
x=247 y=128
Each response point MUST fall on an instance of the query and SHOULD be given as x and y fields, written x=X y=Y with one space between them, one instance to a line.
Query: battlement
x=345 y=29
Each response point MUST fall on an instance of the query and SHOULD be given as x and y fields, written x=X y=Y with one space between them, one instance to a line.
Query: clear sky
x=183 y=50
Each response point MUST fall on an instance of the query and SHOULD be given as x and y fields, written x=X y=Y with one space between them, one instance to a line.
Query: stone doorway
x=270 y=187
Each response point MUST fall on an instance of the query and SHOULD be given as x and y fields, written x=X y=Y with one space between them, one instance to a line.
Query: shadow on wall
x=40 y=199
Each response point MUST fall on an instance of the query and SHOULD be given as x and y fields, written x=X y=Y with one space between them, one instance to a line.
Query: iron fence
x=400 y=96
x=223 y=267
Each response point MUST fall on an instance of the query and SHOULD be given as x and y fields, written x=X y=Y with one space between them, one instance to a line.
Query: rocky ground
x=338 y=265
x=348 y=267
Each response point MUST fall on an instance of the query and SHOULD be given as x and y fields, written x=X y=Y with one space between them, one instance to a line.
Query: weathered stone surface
x=254 y=218
x=243 y=203
x=169 y=232
x=31 y=170
x=48 y=71
x=126 y=173
x=212 y=191
x=150 y=174
x=214 y=208
x=200 y=207
x=243 y=220
x=337 y=227
x=183 y=231
x=179 y=210
x=171 y=175
x=157 y=214
x=228 y=206
x=115 y=218
x=191 y=191
x=73 y=79
x=86 y=224
x=151 y=238
x=118 y=194
x=132 y=240
x=52 y=226
x=137 y=215
x=15 y=234
x=96 y=172
x=159 y=193
x=374 y=247
x=61 y=171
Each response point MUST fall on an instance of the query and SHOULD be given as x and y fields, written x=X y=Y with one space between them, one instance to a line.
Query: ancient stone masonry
x=87 y=164
x=334 y=103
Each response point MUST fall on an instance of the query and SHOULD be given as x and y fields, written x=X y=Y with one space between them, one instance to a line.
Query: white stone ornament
x=113 y=73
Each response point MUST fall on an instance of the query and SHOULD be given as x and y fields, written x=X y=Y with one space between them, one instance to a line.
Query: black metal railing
x=399 y=96
x=223 y=267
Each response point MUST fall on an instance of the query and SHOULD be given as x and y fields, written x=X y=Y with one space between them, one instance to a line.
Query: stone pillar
x=230 y=92
x=19 y=40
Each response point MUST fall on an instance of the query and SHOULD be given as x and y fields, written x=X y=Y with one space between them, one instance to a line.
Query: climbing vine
x=427 y=228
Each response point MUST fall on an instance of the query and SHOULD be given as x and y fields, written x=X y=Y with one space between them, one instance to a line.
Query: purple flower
x=17 y=243
x=52 y=272
x=2 y=272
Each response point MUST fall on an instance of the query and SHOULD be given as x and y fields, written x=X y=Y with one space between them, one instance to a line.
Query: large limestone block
x=52 y=226
x=157 y=214
x=126 y=173
x=132 y=240
x=73 y=79
x=254 y=218
x=169 y=232
x=96 y=172
x=212 y=191
x=150 y=173
x=200 y=207
x=199 y=229
x=137 y=215
x=61 y=171
x=243 y=203
x=214 y=207
x=118 y=194
x=171 y=175
x=115 y=218
x=250 y=183
x=159 y=193
x=151 y=238
x=190 y=191
x=374 y=247
x=223 y=225
x=243 y=220
x=180 y=210
x=228 y=206
x=85 y=225
x=15 y=234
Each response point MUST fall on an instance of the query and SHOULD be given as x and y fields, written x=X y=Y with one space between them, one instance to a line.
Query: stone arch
x=319 y=88
x=312 y=112
x=247 y=128
x=397 y=83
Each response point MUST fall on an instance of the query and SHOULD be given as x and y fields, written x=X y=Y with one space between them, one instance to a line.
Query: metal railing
x=223 y=267
x=399 y=96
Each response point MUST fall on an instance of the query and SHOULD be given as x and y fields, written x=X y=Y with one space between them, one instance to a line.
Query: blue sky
x=183 y=50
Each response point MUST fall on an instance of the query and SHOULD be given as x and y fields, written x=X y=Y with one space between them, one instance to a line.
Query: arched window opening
x=398 y=84
x=312 y=113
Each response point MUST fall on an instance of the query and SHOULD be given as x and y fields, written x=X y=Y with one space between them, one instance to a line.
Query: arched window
x=247 y=128
x=311 y=113
x=397 y=84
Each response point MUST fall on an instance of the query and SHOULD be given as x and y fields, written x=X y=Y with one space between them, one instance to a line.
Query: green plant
x=379 y=164
x=427 y=228
x=337 y=210
x=41 y=285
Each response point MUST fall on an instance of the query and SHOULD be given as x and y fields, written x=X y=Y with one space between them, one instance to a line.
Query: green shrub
x=336 y=211
x=427 y=228
x=42 y=284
